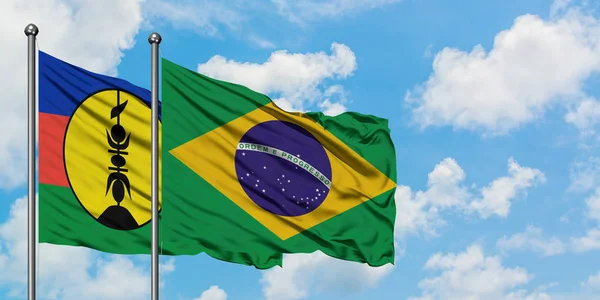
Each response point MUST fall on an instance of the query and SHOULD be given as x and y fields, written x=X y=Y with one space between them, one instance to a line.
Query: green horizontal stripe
x=185 y=228
x=63 y=221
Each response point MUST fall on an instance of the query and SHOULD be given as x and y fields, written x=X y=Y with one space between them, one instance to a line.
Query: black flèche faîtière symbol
x=116 y=216
x=119 y=142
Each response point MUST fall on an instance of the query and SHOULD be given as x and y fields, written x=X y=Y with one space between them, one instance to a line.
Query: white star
x=283 y=190
x=242 y=178
x=297 y=202
x=282 y=175
x=294 y=197
x=264 y=167
x=296 y=168
x=298 y=155
x=319 y=195
x=263 y=191
x=243 y=153
x=277 y=179
x=317 y=190
x=247 y=174
x=301 y=198
x=257 y=180
x=256 y=185
x=288 y=180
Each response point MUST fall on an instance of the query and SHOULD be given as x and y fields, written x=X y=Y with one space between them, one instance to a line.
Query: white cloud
x=472 y=275
x=301 y=11
x=415 y=214
x=296 y=77
x=589 y=242
x=202 y=16
x=419 y=211
x=532 y=66
x=559 y=6
x=167 y=267
x=306 y=274
x=261 y=42
x=213 y=293
x=496 y=197
x=68 y=272
x=213 y=17
x=593 y=282
x=331 y=109
x=524 y=295
x=586 y=115
x=207 y=16
x=102 y=285
x=334 y=102
x=593 y=206
x=78 y=31
x=287 y=105
x=585 y=175
x=293 y=80
x=532 y=239
x=428 y=51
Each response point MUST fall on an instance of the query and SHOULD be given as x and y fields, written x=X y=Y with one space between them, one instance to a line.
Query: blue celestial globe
x=283 y=168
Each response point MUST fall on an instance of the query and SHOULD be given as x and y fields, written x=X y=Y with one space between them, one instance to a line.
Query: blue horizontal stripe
x=62 y=86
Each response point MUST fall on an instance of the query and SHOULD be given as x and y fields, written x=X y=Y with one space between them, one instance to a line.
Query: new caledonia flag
x=241 y=179
x=94 y=159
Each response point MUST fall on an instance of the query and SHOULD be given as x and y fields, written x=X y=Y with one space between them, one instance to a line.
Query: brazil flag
x=246 y=181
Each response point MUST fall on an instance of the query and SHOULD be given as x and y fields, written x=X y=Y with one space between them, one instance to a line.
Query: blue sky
x=493 y=111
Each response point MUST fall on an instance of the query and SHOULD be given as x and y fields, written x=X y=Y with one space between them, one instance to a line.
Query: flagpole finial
x=154 y=38
x=31 y=29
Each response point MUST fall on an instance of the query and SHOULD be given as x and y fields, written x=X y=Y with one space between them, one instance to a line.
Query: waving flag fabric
x=94 y=159
x=241 y=179
x=250 y=181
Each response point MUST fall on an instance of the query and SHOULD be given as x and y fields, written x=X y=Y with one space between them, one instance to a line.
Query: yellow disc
x=108 y=158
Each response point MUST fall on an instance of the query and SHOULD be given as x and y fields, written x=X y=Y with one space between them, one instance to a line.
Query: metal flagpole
x=154 y=41
x=31 y=32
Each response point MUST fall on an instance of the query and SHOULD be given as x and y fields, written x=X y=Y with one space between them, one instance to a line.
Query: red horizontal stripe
x=51 y=162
